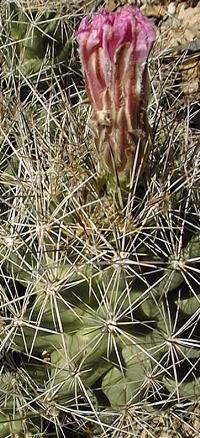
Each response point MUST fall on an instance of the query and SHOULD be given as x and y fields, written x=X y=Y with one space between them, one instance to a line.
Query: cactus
x=99 y=320
x=36 y=48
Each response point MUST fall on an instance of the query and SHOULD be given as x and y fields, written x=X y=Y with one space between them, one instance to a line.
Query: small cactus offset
x=99 y=231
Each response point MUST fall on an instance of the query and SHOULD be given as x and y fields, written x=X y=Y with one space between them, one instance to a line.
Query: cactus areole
x=114 y=47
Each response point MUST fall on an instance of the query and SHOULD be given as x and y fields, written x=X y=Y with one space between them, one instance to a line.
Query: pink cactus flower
x=114 y=47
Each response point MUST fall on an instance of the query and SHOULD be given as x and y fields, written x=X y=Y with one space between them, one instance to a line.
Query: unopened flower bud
x=114 y=47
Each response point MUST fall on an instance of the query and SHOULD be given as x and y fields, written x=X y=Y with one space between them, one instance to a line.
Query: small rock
x=189 y=35
x=171 y=8
x=197 y=425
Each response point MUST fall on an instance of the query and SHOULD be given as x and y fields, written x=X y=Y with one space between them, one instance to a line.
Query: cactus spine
x=99 y=301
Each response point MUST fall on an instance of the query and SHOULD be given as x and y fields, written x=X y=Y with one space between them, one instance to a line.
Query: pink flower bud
x=114 y=47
